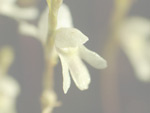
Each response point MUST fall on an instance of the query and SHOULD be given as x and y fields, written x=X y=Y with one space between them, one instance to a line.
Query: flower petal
x=64 y=20
x=78 y=72
x=142 y=71
x=14 y=11
x=135 y=49
x=43 y=26
x=92 y=58
x=64 y=17
x=27 y=29
x=29 y=13
x=69 y=37
x=66 y=76
x=136 y=27
x=134 y=34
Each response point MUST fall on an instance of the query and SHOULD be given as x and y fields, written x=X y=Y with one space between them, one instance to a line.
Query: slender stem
x=109 y=78
x=54 y=5
x=49 y=98
x=48 y=81
x=53 y=12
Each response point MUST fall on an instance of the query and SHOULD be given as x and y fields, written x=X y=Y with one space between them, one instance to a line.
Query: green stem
x=49 y=100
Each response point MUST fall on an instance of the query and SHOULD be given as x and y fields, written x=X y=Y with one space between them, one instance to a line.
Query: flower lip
x=69 y=37
x=78 y=71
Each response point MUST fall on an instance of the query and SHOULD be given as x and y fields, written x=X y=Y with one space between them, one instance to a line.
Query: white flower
x=70 y=49
x=135 y=38
x=9 y=90
x=69 y=46
x=11 y=9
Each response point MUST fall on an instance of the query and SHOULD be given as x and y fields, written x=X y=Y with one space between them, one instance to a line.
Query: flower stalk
x=53 y=5
x=49 y=97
